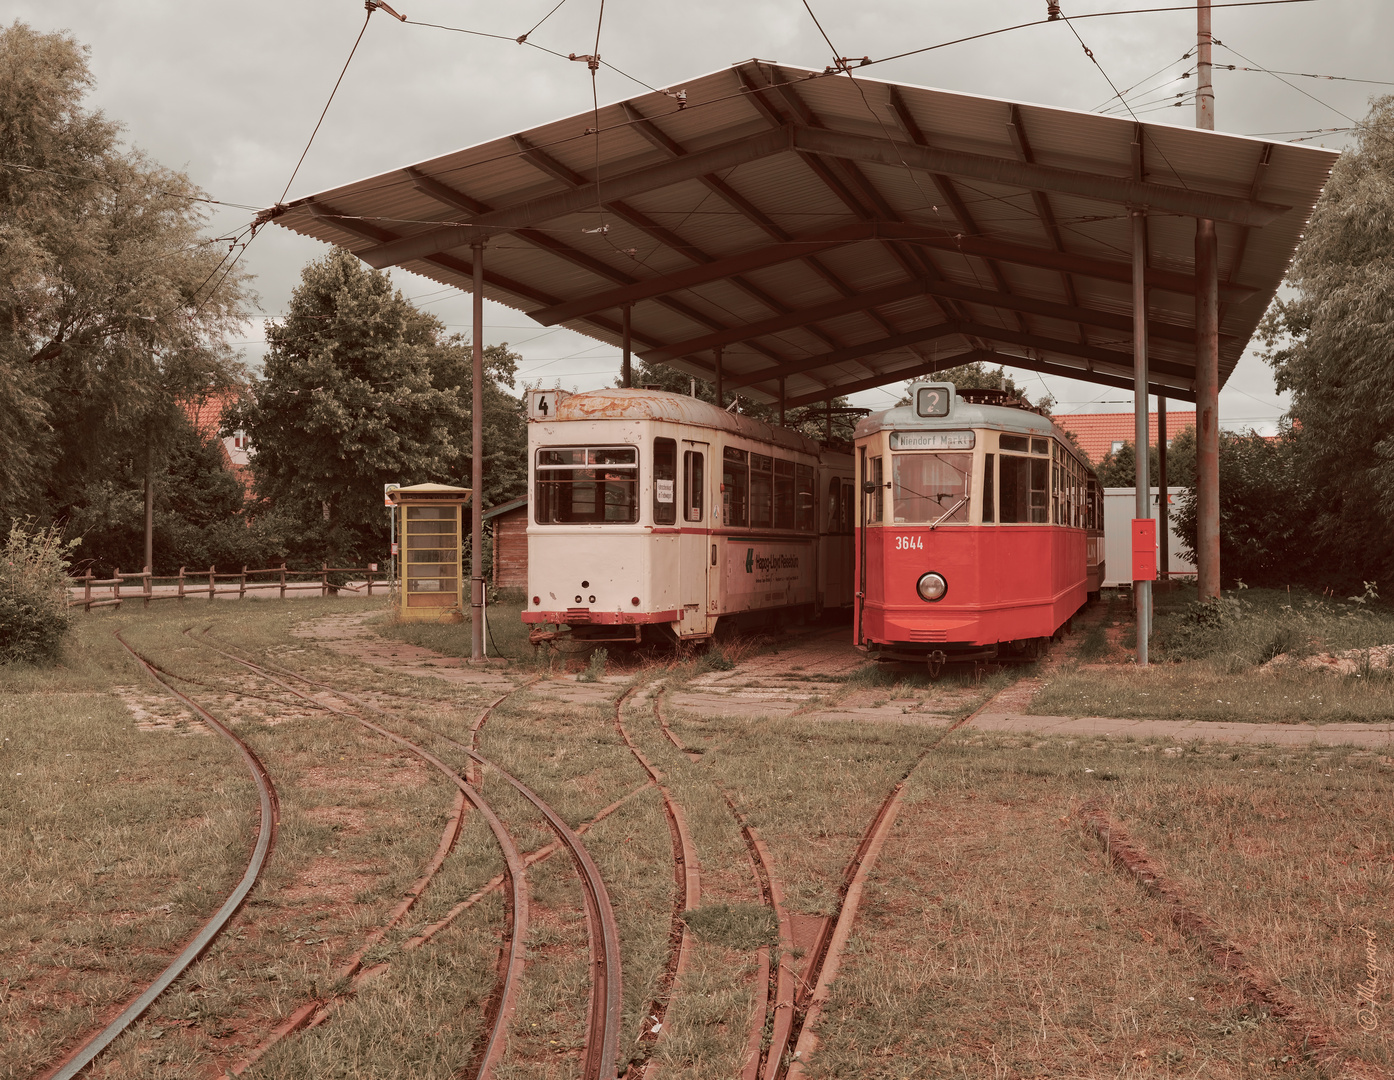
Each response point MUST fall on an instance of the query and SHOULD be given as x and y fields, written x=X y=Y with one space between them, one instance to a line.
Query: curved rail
x=261 y=851
x=606 y=1002
x=772 y=893
x=687 y=872
x=512 y=963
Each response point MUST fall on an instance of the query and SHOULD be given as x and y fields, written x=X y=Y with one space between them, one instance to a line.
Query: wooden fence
x=201 y=583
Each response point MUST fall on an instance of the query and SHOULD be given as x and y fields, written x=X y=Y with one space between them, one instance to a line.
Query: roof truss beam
x=1126 y=191
x=533 y=212
x=907 y=290
x=915 y=371
x=1026 y=255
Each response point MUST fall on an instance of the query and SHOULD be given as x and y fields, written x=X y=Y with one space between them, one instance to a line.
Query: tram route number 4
x=909 y=543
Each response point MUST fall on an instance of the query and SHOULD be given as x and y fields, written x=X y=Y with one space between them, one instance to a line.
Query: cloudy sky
x=231 y=91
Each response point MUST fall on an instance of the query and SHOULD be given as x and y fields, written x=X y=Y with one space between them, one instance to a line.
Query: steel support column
x=1207 y=344
x=720 y=392
x=1207 y=412
x=477 y=463
x=1142 y=508
x=1163 y=507
x=626 y=371
x=781 y=401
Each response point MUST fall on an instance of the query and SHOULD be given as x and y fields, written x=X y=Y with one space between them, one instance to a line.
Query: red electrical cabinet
x=1144 y=549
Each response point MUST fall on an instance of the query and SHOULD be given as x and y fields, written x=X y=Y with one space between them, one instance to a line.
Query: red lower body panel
x=1005 y=583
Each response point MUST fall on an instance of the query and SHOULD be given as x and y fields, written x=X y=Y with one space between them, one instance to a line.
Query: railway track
x=511 y=962
x=602 y=1049
x=269 y=812
x=761 y=1062
x=687 y=872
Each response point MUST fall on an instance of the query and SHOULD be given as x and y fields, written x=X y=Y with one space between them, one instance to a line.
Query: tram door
x=696 y=537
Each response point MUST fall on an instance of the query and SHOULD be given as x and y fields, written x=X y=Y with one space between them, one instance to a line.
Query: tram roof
x=841 y=233
x=962 y=414
x=616 y=404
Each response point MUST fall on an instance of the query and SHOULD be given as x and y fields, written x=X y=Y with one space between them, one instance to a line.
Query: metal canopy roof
x=845 y=233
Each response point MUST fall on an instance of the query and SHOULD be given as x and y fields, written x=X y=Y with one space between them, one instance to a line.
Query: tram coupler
x=936 y=661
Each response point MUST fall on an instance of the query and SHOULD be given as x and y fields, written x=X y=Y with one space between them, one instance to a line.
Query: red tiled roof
x=206 y=415
x=1097 y=432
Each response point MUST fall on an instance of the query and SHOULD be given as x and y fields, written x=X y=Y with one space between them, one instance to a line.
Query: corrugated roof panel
x=584 y=284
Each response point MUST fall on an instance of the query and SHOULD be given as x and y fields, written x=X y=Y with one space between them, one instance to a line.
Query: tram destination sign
x=931 y=440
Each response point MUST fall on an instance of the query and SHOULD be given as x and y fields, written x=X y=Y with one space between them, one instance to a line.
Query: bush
x=34 y=615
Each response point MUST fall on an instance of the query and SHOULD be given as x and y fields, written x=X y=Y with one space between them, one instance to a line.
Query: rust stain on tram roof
x=661 y=405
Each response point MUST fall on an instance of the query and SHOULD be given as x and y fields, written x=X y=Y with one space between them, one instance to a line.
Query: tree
x=198 y=511
x=1332 y=346
x=809 y=420
x=1264 y=514
x=360 y=389
x=112 y=305
x=975 y=375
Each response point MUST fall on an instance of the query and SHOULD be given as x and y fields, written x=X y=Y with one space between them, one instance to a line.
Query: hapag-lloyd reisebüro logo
x=755 y=562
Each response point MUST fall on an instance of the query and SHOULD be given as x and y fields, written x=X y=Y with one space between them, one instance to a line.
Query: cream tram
x=655 y=510
x=980 y=528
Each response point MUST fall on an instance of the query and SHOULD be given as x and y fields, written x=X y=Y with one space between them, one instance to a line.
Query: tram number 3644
x=909 y=543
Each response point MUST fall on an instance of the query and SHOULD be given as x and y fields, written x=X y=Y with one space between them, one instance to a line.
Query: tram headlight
x=931 y=587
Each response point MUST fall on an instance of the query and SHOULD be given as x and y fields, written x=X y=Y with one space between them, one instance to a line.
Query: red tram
x=980 y=530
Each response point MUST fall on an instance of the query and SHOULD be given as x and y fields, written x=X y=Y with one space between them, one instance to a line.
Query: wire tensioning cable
x=1088 y=15
x=371 y=8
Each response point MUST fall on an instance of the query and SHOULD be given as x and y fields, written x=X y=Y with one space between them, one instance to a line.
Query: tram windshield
x=931 y=489
x=587 y=485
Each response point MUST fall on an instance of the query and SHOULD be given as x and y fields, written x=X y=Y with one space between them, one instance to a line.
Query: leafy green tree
x=198 y=511
x=1264 y=512
x=112 y=303
x=1332 y=346
x=809 y=420
x=360 y=388
x=1117 y=469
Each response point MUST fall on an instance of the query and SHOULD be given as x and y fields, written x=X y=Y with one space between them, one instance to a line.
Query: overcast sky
x=231 y=91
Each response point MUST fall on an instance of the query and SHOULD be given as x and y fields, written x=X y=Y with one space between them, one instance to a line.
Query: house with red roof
x=1101 y=434
x=206 y=415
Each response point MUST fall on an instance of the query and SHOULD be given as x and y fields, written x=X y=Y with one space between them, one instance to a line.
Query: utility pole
x=1207 y=345
x=477 y=464
x=149 y=509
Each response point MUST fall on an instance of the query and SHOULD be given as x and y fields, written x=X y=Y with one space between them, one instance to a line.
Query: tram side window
x=1023 y=490
x=834 y=505
x=989 y=499
x=735 y=487
x=806 y=499
x=874 y=469
x=587 y=485
x=693 y=483
x=761 y=491
x=783 y=494
x=846 y=521
x=931 y=488
x=665 y=482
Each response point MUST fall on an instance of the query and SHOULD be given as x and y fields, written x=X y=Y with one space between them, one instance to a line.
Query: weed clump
x=34 y=616
x=595 y=670
x=714 y=660
x=736 y=926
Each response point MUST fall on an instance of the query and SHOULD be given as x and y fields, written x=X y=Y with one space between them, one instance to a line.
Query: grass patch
x=507 y=635
x=736 y=926
x=995 y=938
x=1208 y=663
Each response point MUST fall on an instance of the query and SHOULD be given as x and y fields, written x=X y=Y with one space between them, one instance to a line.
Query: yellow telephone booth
x=432 y=570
